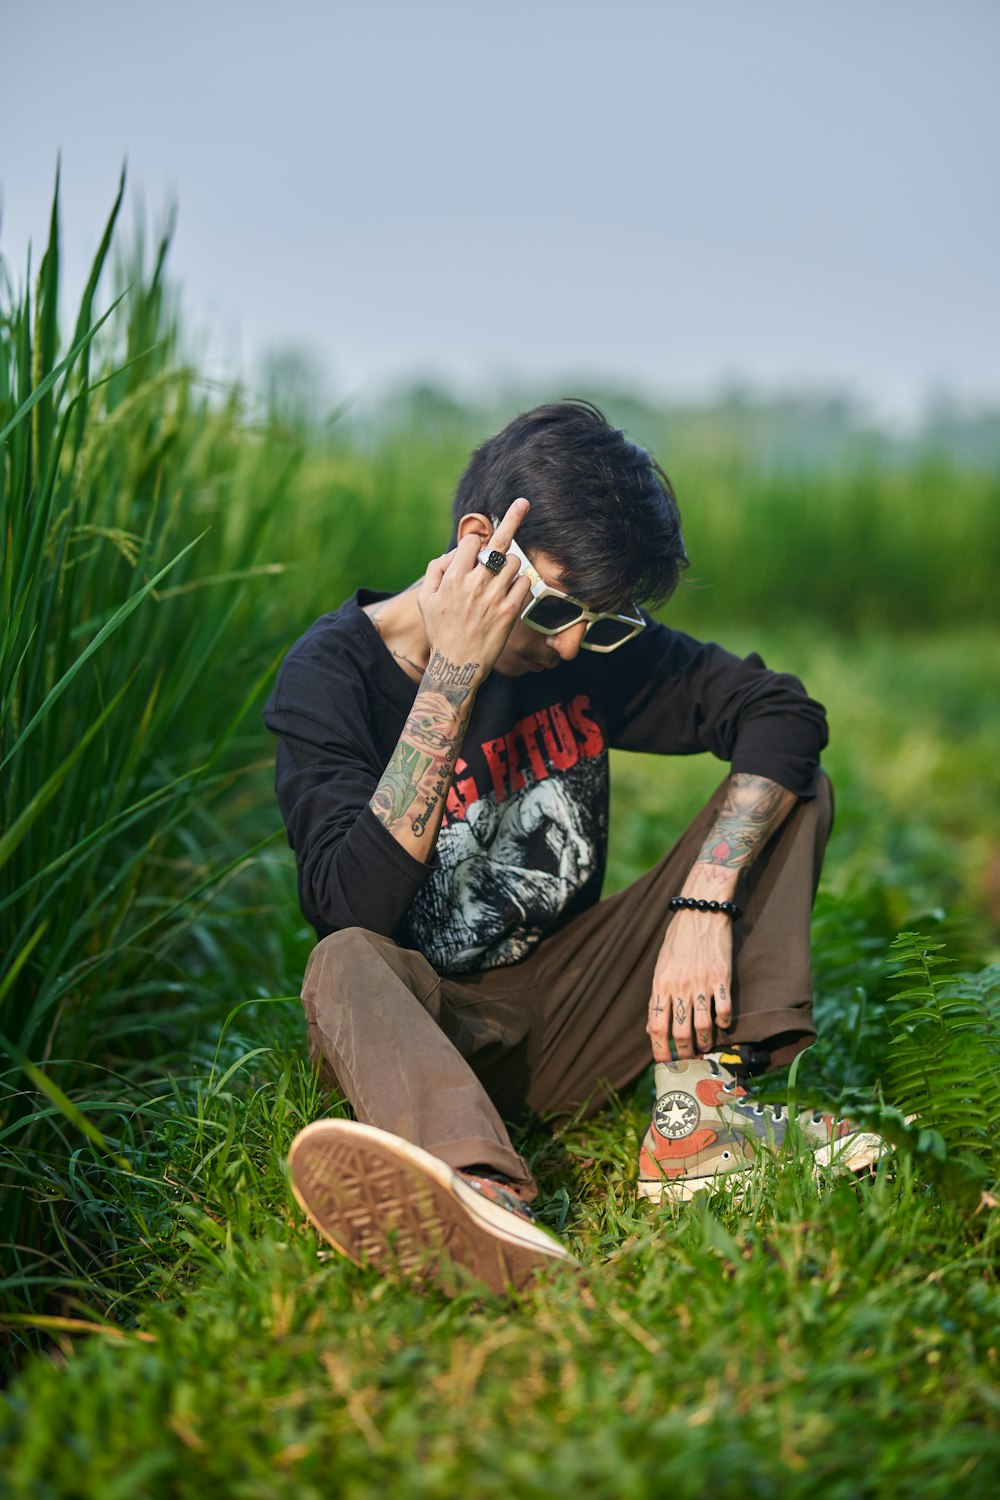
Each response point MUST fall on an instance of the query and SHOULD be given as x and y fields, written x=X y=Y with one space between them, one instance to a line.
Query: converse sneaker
x=706 y=1129
x=382 y=1201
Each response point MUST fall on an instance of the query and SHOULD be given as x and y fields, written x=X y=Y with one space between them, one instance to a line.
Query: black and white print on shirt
x=507 y=869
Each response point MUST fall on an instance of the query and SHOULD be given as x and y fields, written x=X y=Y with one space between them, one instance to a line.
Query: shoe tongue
x=741 y=1061
x=669 y=1076
x=730 y=1061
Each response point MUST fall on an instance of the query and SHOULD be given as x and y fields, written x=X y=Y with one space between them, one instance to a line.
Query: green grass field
x=170 y=1325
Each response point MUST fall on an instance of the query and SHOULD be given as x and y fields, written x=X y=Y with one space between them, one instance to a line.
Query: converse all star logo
x=676 y=1115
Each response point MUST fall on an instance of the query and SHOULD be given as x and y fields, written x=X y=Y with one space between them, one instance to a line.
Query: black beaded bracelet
x=690 y=903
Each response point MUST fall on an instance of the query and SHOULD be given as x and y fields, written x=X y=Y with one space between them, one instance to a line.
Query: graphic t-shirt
x=523 y=842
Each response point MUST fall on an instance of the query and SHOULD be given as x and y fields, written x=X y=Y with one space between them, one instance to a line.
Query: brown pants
x=443 y=1061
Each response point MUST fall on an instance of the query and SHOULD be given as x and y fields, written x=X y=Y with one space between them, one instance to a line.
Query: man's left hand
x=692 y=995
x=692 y=985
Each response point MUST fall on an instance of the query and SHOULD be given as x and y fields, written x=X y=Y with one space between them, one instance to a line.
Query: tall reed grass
x=137 y=509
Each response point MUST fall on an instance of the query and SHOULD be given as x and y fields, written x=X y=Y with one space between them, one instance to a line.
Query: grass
x=841 y=1342
x=797 y=1342
x=173 y=1327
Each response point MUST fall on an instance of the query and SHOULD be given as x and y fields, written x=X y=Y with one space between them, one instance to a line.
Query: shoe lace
x=776 y=1111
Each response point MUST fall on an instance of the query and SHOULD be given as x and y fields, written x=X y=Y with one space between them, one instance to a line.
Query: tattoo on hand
x=702 y=1003
x=659 y=1008
x=681 y=1012
x=749 y=816
x=452 y=680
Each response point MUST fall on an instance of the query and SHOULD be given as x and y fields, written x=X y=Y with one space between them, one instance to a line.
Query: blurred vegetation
x=164 y=541
x=866 y=544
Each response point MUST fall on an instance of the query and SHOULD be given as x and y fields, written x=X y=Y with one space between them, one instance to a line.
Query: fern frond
x=983 y=990
x=943 y=1065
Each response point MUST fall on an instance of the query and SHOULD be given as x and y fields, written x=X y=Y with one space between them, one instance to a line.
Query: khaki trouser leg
x=382 y=1029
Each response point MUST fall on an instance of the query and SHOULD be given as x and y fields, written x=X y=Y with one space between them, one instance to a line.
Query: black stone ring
x=496 y=562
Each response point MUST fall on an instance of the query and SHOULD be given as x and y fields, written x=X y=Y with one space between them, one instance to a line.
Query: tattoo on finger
x=681 y=1012
x=702 y=1003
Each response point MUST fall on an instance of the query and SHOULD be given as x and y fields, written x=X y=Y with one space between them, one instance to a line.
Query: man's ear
x=476 y=525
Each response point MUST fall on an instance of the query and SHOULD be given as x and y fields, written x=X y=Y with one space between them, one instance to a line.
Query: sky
x=674 y=197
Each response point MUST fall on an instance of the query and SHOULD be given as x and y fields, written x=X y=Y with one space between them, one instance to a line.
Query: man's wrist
x=458 y=679
x=694 y=903
x=708 y=882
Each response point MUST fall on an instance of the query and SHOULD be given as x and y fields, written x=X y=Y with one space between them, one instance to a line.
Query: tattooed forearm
x=753 y=808
x=398 y=787
x=453 y=680
x=410 y=797
x=437 y=793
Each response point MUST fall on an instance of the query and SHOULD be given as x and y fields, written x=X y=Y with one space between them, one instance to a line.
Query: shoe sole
x=855 y=1154
x=682 y=1190
x=383 y=1202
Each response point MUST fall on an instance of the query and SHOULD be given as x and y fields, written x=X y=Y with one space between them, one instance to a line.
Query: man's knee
x=357 y=966
x=334 y=974
x=342 y=954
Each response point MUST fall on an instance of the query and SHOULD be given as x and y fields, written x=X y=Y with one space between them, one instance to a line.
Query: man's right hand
x=469 y=612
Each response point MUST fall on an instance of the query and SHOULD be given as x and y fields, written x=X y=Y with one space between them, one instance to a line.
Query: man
x=443 y=775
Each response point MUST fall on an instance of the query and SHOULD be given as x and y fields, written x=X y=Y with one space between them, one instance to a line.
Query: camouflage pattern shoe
x=706 y=1132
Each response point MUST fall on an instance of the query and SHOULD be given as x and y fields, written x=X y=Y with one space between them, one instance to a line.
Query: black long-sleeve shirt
x=523 y=842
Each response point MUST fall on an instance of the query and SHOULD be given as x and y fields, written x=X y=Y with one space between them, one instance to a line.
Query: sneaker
x=744 y=1061
x=384 y=1202
x=707 y=1130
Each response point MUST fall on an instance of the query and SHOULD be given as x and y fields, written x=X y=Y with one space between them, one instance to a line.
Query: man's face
x=528 y=651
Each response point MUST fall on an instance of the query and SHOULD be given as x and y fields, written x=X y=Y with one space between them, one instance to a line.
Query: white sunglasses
x=550 y=611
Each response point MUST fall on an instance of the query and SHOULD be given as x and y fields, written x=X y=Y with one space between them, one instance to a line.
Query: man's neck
x=400 y=624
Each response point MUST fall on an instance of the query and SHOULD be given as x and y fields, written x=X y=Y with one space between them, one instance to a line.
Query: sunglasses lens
x=549 y=613
x=607 y=632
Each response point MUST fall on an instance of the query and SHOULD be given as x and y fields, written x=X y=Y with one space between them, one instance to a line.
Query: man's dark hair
x=601 y=507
